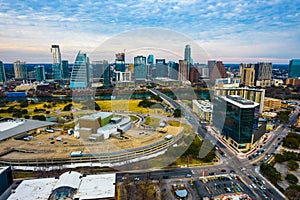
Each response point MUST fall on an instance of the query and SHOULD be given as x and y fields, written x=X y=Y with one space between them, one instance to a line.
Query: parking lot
x=216 y=185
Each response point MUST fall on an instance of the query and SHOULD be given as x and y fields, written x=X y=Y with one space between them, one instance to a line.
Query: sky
x=232 y=31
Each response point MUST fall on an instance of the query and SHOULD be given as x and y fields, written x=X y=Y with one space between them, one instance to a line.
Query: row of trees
x=292 y=140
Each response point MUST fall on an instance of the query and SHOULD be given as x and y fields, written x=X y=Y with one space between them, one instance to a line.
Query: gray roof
x=28 y=125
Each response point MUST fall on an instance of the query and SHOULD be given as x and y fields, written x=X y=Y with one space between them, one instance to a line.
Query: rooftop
x=102 y=115
x=2 y=169
x=240 y=102
x=12 y=128
x=90 y=186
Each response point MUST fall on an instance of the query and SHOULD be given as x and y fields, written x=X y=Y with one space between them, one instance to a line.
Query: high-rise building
x=20 y=70
x=173 y=70
x=81 y=72
x=2 y=73
x=140 y=68
x=98 y=68
x=263 y=71
x=120 y=62
x=294 y=68
x=236 y=119
x=218 y=71
x=194 y=75
x=161 y=68
x=65 y=69
x=247 y=74
x=150 y=59
x=183 y=70
x=211 y=65
x=56 y=65
x=187 y=54
x=40 y=73
x=106 y=77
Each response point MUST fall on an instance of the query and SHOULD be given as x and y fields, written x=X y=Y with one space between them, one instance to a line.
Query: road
x=247 y=169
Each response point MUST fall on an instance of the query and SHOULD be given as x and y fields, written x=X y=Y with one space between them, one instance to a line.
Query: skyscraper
x=194 y=75
x=218 y=71
x=40 y=73
x=140 y=68
x=173 y=70
x=187 y=54
x=237 y=120
x=65 y=69
x=183 y=70
x=211 y=64
x=80 y=76
x=2 y=73
x=263 y=71
x=56 y=65
x=20 y=70
x=150 y=59
x=120 y=62
x=98 y=68
x=294 y=68
x=161 y=68
x=247 y=74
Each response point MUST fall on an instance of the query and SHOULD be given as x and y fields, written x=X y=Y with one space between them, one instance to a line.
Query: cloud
x=84 y=24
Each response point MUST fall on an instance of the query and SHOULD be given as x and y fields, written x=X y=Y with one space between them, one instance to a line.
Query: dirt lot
x=40 y=146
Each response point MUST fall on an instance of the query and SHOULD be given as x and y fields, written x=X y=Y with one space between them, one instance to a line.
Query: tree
x=68 y=107
x=23 y=104
x=39 y=117
x=270 y=172
x=293 y=165
x=177 y=113
x=291 y=178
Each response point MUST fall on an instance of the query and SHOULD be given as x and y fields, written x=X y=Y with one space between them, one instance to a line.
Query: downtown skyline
x=233 y=31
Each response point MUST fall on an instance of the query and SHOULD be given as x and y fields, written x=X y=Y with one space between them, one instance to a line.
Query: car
x=243 y=169
x=254 y=164
x=223 y=170
x=232 y=171
x=136 y=178
x=254 y=186
x=250 y=186
x=188 y=175
x=211 y=173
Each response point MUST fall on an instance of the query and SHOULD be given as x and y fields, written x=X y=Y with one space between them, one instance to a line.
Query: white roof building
x=70 y=185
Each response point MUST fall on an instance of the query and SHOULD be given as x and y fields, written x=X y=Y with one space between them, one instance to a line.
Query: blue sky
x=233 y=31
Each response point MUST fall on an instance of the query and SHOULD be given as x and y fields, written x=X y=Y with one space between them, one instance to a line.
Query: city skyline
x=234 y=32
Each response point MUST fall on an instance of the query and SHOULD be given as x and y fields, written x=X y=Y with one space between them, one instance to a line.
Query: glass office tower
x=65 y=69
x=294 y=68
x=236 y=118
x=56 y=65
x=80 y=76
x=40 y=73
x=2 y=73
x=140 y=68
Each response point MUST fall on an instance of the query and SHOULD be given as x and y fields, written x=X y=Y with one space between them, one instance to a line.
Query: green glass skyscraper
x=294 y=68
x=80 y=77
x=140 y=68
x=40 y=73
x=2 y=73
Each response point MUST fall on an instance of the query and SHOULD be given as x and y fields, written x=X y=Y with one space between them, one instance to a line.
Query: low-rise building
x=203 y=109
x=271 y=104
x=69 y=185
